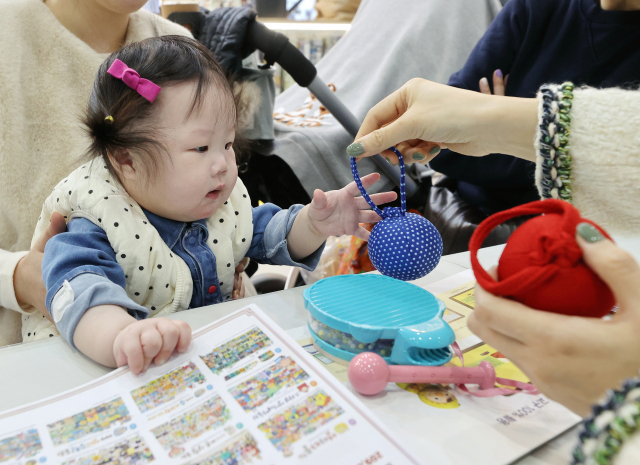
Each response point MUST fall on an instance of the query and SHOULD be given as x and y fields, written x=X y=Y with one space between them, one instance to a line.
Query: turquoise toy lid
x=372 y=307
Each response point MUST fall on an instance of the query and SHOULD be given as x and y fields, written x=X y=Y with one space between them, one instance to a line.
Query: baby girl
x=157 y=218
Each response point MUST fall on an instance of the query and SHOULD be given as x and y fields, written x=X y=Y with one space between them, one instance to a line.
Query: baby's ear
x=122 y=162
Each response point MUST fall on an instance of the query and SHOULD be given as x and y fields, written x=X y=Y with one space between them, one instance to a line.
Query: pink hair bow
x=130 y=77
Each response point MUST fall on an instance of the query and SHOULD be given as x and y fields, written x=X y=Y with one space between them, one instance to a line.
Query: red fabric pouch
x=541 y=265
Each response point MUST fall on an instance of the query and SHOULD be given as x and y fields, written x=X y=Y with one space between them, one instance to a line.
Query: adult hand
x=573 y=360
x=27 y=277
x=422 y=117
x=499 y=84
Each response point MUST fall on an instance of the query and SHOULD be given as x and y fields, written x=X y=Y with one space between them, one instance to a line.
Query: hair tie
x=131 y=78
x=109 y=119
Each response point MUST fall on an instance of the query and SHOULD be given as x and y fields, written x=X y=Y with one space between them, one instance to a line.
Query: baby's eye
x=202 y=149
x=228 y=146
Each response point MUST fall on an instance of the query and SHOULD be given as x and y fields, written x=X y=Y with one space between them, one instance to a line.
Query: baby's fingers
x=131 y=352
x=151 y=341
x=368 y=216
x=185 y=336
x=378 y=199
x=170 y=335
x=362 y=233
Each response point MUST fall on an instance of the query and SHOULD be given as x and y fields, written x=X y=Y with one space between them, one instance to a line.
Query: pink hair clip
x=130 y=77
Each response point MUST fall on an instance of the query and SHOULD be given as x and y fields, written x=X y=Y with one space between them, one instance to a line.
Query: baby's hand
x=335 y=213
x=153 y=339
x=499 y=84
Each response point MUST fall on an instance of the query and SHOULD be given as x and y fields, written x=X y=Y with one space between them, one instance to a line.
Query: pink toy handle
x=484 y=375
x=491 y=390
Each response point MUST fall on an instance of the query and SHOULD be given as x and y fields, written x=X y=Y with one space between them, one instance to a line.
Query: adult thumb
x=616 y=267
x=382 y=138
x=57 y=225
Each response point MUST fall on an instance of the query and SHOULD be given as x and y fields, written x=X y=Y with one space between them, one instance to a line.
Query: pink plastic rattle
x=369 y=374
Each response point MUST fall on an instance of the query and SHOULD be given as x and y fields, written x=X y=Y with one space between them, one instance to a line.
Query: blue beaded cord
x=403 y=194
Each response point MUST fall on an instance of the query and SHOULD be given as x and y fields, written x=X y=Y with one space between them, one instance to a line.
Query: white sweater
x=46 y=77
x=604 y=145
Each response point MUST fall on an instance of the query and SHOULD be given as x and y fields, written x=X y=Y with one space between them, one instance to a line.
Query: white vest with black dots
x=157 y=278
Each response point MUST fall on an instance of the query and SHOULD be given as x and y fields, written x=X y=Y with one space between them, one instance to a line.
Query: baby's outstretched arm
x=334 y=213
x=112 y=337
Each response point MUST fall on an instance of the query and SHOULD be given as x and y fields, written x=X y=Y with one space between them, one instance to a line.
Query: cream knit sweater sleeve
x=604 y=143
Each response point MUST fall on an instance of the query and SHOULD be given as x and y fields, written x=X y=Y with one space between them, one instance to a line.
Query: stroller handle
x=277 y=49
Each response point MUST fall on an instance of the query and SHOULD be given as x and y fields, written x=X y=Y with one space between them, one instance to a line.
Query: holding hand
x=153 y=339
x=422 y=116
x=27 y=277
x=573 y=360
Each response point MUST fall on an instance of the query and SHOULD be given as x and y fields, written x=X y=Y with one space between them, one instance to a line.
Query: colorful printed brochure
x=244 y=393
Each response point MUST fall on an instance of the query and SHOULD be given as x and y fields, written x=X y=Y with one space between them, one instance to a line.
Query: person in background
x=534 y=42
x=50 y=52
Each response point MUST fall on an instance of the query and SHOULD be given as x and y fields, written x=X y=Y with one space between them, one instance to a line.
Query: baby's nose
x=219 y=166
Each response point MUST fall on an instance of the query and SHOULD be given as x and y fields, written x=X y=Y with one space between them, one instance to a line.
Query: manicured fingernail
x=484 y=81
x=417 y=156
x=435 y=150
x=499 y=73
x=355 y=149
x=589 y=233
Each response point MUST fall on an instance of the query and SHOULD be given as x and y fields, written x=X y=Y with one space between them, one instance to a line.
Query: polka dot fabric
x=403 y=245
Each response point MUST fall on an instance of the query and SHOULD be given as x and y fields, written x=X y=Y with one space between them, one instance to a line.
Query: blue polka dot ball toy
x=403 y=245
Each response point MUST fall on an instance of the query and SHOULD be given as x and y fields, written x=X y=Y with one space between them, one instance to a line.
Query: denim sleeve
x=80 y=271
x=271 y=225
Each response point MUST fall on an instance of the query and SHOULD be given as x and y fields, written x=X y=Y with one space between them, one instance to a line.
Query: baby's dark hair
x=119 y=119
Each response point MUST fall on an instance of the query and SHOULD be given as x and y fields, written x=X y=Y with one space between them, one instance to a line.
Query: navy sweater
x=537 y=42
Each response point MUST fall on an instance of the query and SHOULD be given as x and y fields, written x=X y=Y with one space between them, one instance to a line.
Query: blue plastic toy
x=400 y=321
x=403 y=245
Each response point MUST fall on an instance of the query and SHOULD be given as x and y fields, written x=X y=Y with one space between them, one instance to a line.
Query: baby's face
x=201 y=171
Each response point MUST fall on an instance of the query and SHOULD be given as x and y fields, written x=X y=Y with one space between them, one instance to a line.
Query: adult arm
x=21 y=285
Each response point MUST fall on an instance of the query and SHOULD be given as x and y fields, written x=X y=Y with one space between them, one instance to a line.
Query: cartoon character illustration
x=434 y=395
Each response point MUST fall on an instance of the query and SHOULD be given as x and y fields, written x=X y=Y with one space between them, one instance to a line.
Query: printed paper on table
x=244 y=393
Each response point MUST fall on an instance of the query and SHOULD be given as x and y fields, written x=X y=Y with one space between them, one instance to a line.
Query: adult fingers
x=383 y=113
x=57 y=225
x=498 y=83
x=422 y=152
x=484 y=86
x=509 y=346
x=170 y=335
x=379 y=140
x=616 y=267
x=506 y=79
x=514 y=319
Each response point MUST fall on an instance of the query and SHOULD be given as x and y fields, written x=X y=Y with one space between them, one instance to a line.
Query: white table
x=30 y=372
